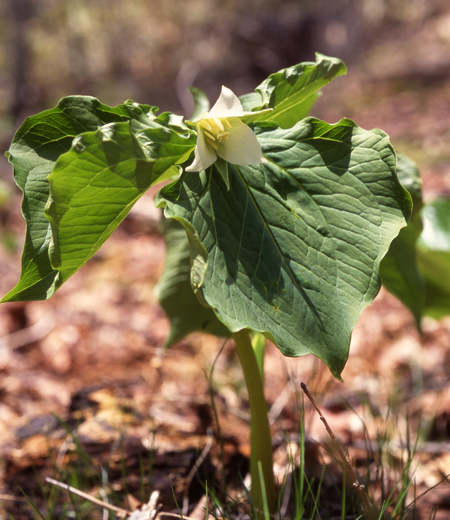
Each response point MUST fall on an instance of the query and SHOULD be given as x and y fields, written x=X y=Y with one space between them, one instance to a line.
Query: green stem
x=259 y=347
x=260 y=438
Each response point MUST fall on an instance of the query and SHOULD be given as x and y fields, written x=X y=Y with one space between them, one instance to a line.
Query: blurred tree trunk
x=19 y=14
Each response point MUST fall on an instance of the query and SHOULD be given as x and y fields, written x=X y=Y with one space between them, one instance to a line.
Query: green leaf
x=251 y=101
x=201 y=103
x=175 y=294
x=433 y=252
x=293 y=248
x=292 y=92
x=409 y=176
x=399 y=271
x=35 y=148
x=95 y=184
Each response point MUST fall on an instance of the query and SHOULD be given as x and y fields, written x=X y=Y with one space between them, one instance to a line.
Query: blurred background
x=397 y=52
x=153 y=50
x=104 y=327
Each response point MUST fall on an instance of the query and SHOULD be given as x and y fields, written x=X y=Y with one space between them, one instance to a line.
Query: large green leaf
x=292 y=248
x=433 y=252
x=399 y=270
x=36 y=146
x=292 y=92
x=174 y=290
x=95 y=184
x=91 y=151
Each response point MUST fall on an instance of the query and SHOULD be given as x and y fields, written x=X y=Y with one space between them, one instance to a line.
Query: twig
x=194 y=470
x=360 y=488
x=10 y=498
x=280 y=402
x=174 y=515
x=29 y=335
x=148 y=511
x=210 y=380
x=416 y=499
x=92 y=499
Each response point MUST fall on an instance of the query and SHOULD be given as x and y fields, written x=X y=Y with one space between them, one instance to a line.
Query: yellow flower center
x=214 y=130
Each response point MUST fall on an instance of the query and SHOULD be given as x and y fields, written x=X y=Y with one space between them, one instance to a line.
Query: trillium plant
x=276 y=222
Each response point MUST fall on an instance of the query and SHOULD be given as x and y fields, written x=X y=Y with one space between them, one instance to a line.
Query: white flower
x=221 y=133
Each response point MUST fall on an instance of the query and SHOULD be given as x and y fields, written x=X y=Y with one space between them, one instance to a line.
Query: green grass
x=389 y=481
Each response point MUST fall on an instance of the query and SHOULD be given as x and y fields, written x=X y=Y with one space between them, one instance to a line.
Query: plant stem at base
x=260 y=438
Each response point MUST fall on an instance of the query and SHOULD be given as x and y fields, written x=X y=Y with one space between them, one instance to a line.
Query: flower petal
x=228 y=105
x=242 y=147
x=204 y=154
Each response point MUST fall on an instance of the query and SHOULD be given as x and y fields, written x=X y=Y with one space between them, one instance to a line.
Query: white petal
x=242 y=146
x=204 y=154
x=228 y=105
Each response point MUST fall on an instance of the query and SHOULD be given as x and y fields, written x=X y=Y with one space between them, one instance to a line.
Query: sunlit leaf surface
x=38 y=143
x=90 y=150
x=293 y=91
x=292 y=249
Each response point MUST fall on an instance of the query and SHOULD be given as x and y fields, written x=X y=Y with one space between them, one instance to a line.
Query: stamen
x=219 y=124
x=213 y=144
x=214 y=131
x=223 y=136
x=206 y=125
x=209 y=136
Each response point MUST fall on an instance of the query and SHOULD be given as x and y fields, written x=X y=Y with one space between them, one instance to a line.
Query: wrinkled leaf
x=175 y=293
x=293 y=248
x=399 y=270
x=38 y=143
x=96 y=183
x=292 y=92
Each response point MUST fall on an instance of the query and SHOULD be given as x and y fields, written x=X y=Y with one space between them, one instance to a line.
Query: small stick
x=122 y=512
x=76 y=491
x=174 y=515
x=11 y=498
x=153 y=501
x=360 y=488
x=147 y=511
x=194 y=470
